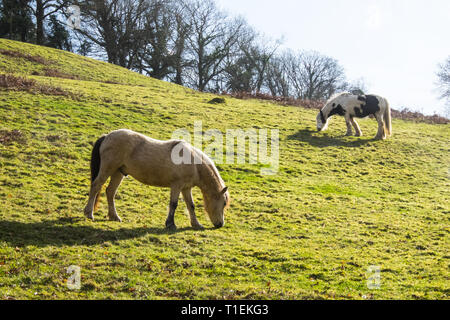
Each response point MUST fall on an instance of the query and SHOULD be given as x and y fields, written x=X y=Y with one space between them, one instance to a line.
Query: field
x=338 y=205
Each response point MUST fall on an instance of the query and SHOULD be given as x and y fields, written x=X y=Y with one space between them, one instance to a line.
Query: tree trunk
x=39 y=22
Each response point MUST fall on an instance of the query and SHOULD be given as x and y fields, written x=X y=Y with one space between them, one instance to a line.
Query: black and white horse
x=353 y=106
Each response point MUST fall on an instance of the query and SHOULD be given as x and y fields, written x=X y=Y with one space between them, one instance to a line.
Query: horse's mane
x=208 y=172
x=212 y=183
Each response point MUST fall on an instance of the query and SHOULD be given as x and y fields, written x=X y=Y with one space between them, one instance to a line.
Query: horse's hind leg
x=187 y=196
x=381 y=135
x=107 y=168
x=94 y=192
x=174 y=196
x=116 y=180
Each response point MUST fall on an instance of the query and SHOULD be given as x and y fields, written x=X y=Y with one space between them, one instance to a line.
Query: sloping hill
x=338 y=205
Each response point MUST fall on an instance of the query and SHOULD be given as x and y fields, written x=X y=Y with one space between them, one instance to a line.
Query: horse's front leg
x=349 y=126
x=187 y=196
x=174 y=196
x=356 y=127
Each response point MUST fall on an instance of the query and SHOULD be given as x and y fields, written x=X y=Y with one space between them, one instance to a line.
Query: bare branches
x=115 y=26
x=444 y=84
x=304 y=75
x=212 y=39
x=192 y=42
x=245 y=70
x=444 y=79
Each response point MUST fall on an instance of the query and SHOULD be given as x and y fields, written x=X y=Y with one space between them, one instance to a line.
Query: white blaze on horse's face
x=319 y=123
x=321 y=126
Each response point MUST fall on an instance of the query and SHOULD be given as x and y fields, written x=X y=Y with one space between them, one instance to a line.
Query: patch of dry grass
x=19 y=83
x=7 y=137
x=29 y=57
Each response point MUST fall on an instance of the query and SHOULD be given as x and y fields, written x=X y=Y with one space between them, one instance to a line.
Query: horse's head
x=322 y=121
x=215 y=206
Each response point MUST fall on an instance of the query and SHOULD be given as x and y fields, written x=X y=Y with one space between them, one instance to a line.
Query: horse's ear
x=224 y=190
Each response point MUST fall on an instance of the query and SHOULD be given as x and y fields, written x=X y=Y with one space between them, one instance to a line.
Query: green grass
x=337 y=206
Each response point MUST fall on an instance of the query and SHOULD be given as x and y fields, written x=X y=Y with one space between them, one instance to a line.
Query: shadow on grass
x=66 y=232
x=323 y=141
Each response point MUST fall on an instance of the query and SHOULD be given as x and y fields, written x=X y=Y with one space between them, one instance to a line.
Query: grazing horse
x=124 y=152
x=360 y=106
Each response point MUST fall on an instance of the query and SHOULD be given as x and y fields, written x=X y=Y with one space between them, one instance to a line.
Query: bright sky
x=394 y=45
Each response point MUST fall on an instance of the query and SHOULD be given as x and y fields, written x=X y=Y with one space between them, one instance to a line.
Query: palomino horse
x=150 y=161
x=359 y=106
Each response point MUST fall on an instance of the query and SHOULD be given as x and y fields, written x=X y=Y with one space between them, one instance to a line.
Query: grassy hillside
x=338 y=205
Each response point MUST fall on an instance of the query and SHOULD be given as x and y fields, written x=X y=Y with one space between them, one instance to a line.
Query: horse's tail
x=388 y=119
x=95 y=166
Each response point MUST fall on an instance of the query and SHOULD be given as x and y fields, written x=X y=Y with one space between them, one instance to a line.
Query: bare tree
x=260 y=53
x=114 y=26
x=239 y=71
x=42 y=9
x=246 y=70
x=162 y=54
x=304 y=75
x=155 y=56
x=444 y=83
x=321 y=76
x=277 y=80
x=295 y=74
x=182 y=31
x=212 y=38
x=239 y=74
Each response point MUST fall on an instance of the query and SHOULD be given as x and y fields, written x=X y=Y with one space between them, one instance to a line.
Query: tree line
x=188 y=42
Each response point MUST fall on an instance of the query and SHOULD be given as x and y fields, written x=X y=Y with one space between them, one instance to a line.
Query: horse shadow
x=65 y=232
x=324 y=140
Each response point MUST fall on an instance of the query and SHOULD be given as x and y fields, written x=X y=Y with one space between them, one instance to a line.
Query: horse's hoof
x=171 y=227
x=89 y=216
x=198 y=227
x=116 y=218
x=88 y=213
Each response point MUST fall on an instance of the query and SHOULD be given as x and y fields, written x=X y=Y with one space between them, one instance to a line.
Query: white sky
x=394 y=45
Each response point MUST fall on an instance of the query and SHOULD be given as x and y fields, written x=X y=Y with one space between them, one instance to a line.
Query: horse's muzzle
x=219 y=225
